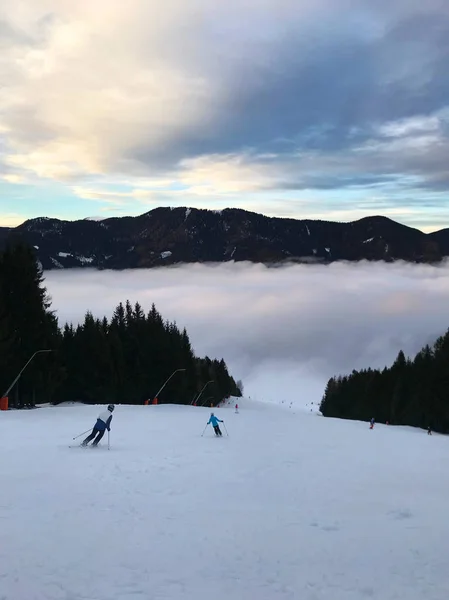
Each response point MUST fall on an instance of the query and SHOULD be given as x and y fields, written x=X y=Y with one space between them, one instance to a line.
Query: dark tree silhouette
x=410 y=392
x=123 y=360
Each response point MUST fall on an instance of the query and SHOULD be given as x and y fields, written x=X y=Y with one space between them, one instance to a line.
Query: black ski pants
x=217 y=430
x=95 y=432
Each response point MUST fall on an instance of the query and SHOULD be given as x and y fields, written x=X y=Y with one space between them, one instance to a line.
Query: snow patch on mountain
x=56 y=263
x=85 y=259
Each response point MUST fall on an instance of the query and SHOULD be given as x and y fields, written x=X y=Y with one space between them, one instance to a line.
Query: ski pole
x=225 y=429
x=204 y=429
x=109 y=440
x=77 y=436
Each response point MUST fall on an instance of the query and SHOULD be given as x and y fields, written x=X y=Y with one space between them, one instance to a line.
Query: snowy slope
x=289 y=506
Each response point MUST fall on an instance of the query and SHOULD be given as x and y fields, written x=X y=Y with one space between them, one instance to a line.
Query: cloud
x=284 y=331
x=11 y=178
x=95 y=83
x=138 y=90
x=10 y=220
x=290 y=107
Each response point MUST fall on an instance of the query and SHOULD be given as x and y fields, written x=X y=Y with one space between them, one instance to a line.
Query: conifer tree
x=124 y=360
x=28 y=324
x=410 y=392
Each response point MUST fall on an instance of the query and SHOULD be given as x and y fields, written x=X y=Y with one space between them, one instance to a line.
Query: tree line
x=124 y=359
x=410 y=392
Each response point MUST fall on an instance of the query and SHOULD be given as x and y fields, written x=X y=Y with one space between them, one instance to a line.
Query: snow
x=166 y=254
x=84 y=259
x=308 y=230
x=368 y=241
x=188 y=211
x=290 y=506
x=327 y=249
x=56 y=263
x=64 y=254
x=37 y=247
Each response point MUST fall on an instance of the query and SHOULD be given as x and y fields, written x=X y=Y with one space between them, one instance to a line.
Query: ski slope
x=289 y=506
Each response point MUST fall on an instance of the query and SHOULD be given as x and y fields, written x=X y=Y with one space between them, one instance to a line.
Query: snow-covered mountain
x=289 y=506
x=182 y=235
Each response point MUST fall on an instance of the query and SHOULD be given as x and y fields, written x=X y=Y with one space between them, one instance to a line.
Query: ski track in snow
x=290 y=506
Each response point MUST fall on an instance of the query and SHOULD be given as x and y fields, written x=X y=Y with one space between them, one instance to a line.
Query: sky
x=284 y=331
x=331 y=109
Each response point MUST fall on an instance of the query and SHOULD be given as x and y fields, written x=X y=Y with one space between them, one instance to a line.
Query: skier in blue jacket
x=214 y=421
x=103 y=423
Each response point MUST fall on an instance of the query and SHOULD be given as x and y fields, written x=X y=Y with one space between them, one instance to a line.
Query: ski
x=81 y=446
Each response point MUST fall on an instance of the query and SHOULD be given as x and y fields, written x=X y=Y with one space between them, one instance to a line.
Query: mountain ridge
x=166 y=236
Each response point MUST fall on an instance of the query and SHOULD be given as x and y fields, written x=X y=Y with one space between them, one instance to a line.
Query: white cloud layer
x=283 y=331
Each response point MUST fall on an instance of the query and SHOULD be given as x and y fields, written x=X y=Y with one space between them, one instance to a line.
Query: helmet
x=111 y=407
x=211 y=414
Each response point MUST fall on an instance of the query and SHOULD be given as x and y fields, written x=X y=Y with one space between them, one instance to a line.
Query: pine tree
x=410 y=392
x=31 y=325
x=124 y=360
x=7 y=345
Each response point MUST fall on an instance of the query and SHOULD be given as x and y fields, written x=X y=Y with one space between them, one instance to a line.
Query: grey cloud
x=325 y=92
x=283 y=331
x=310 y=85
x=326 y=182
x=11 y=35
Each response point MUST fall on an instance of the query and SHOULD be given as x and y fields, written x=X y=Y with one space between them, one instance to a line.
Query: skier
x=372 y=423
x=214 y=421
x=103 y=423
x=236 y=408
x=429 y=430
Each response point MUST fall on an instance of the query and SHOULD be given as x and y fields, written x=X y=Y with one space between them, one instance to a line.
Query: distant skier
x=237 y=408
x=429 y=430
x=103 y=423
x=214 y=422
x=371 y=426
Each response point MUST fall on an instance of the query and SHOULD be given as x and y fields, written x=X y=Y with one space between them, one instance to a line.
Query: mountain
x=167 y=236
x=442 y=239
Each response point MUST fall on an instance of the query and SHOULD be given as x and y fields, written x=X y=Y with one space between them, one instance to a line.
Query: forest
x=410 y=392
x=124 y=359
